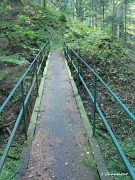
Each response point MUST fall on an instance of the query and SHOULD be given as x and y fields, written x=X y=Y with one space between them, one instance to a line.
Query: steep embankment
x=24 y=28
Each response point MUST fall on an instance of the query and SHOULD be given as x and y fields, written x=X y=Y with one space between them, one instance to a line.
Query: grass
x=9 y=171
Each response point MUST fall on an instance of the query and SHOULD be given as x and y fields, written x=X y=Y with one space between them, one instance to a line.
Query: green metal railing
x=70 y=55
x=36 y=68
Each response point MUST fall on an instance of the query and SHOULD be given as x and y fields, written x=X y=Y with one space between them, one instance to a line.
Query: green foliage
x=30 y=28
x=16 y=97
x=62 y=18
x=86 y=39
x=14 y=60
x=97 y=48
x=9 y=171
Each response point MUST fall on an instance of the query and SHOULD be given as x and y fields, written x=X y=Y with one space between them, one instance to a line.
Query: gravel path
x=60 y=147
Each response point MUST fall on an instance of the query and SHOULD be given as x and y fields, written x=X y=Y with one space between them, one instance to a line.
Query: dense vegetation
x=101 y=31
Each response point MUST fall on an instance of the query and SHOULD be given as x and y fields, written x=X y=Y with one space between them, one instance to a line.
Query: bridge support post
x=24 y=109
x=78 y=59
x=95 y=99
x=36 y=76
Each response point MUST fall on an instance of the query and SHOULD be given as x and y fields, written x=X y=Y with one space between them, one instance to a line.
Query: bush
x=62 y=18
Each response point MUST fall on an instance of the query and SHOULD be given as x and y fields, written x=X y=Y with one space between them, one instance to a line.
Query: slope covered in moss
x=24 y=28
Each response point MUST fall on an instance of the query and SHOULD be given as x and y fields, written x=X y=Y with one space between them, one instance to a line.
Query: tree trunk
x=44 y=3
x=92 y=7
x=74 y=10
x=121 y=19
x=103 y=13
x=125 y=37
x=115 y=24
x=96 y=17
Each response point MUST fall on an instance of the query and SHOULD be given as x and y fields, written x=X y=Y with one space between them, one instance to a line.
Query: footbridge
x=61 y=140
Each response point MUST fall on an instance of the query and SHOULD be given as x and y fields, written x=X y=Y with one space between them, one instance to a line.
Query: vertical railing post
x=36 y=76
x=43 y=62
x=45 y=54
x=65 y=49
x=71 y=55
x=95 y=101
x=48 y=47
x=79 y=62
x=49 y=44
x=45 y=47
x=24 y=109
x=41 y=56
x=78 y=59
x=46 y=51
x=67 y=53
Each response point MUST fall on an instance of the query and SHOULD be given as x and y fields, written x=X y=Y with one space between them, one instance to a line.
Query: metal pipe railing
x=44 y=51
x=97 y=79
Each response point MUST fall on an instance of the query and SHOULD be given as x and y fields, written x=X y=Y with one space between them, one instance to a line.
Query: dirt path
x=60 y=147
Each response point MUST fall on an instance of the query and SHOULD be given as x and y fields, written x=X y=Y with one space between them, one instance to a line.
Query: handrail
x=38 y=65
x=80 y=61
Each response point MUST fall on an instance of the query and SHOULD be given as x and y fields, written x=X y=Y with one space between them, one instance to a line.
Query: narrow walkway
x=60 y=147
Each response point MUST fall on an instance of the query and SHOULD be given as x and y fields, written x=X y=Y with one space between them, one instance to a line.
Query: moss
x=88 y=161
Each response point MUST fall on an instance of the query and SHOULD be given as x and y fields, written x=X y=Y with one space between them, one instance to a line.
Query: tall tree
x=115 y=14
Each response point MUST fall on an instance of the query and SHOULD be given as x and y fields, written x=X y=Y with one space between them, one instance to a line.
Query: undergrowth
x=26 y=27
x=14 y=60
